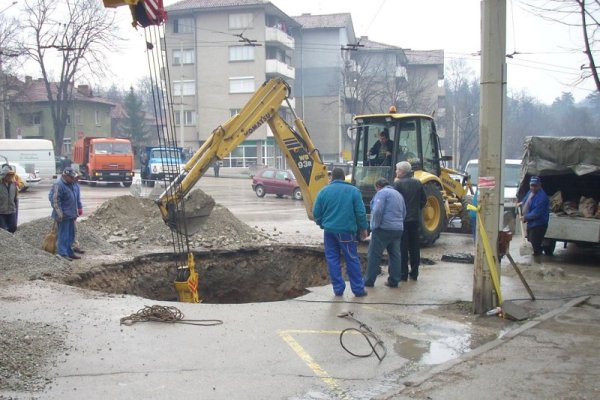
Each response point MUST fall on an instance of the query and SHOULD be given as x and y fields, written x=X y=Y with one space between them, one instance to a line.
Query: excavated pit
x=256 y=274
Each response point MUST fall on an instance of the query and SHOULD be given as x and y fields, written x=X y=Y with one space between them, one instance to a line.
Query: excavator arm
x=263 y=107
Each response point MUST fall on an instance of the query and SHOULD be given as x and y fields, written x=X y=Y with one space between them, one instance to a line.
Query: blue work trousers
x=8 y=222
x=382 y=239
x=66 y=237
x=336 y=245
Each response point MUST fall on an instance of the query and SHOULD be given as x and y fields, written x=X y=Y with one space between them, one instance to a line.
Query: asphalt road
x=279 y=350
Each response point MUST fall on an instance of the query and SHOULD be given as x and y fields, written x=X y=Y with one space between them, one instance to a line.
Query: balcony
x=276 y=37
x=279 y=69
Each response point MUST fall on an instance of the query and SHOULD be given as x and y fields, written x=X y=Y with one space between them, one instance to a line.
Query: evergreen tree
x=134 y=126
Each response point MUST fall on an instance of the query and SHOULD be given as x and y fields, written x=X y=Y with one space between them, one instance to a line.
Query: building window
x=189 y=117
x=35 y=118
x=186 y=56
x=183 y=25
x=97 y=118
x=241 y=53
x=241 y=85
x=78 y=117
x=188 y=87
x=234 y=111
x=240 y=21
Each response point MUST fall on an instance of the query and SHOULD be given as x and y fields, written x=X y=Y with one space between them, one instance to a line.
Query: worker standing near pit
x=340 y=212
x=8 y=199
x=64 y=200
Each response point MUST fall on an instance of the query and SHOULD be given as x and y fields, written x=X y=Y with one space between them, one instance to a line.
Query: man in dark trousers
x=536 y=212
x=415 y=199
x=339 y=210
x=64 y=199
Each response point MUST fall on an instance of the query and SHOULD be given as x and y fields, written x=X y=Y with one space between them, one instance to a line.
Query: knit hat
x=6 y=170
x=69 y=171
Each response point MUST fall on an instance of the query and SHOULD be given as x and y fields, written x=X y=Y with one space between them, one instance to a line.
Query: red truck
x=104 y=159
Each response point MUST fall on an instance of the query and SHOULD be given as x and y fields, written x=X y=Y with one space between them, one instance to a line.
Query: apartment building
x=320 y=97
x=218 y=53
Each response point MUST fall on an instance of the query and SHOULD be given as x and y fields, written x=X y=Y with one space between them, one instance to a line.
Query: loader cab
x=412 y=138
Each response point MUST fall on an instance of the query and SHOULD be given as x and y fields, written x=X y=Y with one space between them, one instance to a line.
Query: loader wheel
x=260 y=191
x=434 y=215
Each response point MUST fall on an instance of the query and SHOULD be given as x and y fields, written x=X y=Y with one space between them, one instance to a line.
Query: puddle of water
x=435 y=351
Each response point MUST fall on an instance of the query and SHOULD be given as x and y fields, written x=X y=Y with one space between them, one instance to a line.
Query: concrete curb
x=419 y=378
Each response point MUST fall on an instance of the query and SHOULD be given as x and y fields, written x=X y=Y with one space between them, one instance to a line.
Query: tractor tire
x=433 y=219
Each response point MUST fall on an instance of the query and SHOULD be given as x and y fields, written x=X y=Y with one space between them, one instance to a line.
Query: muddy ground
x=121 y=228
x=127 y=227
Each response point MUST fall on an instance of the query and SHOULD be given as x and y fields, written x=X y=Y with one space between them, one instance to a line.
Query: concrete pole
x=493 y=91
x=3 y=100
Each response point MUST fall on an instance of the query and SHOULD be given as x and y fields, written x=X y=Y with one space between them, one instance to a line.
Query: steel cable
x=377 y=346
x=167 y=314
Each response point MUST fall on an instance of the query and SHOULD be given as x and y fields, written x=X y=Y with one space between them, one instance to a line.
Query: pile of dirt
x=136 y=222
x=22 y=260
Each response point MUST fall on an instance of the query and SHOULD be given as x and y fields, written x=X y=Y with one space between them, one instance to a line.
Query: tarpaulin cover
x=568 y=164
x=545 y=156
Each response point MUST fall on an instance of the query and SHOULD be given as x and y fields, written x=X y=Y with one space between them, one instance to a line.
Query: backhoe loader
x=412 y=138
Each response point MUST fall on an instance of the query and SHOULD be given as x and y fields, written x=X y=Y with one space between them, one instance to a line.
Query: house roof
x=309 y=21
x=188 y=4
x=425 y=57
x=35 y=91
x=371 y=44
x=208 y=5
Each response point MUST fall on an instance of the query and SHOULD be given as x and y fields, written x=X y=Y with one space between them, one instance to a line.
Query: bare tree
x=583 y=14
x=81 y=32
x=9 y=44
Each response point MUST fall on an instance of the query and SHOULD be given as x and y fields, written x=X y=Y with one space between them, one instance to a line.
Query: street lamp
x=10 y=5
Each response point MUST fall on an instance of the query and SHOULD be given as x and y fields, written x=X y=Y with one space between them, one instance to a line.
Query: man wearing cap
x=535 y=212
x=415 y=199
x=8 y=199
x=64 y=200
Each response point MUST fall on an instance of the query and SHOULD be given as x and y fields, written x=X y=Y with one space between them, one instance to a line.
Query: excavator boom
x=263 y=107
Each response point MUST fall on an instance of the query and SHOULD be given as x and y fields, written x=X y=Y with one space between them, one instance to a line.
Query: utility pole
x=493 y=92
x=181 y=113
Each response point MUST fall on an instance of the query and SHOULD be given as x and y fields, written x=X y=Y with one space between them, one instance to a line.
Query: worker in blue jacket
x=535 y=211
x=64 y=199
x=340 y=212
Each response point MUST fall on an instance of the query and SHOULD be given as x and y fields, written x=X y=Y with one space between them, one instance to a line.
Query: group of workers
x=65 y=199
x=395 y=214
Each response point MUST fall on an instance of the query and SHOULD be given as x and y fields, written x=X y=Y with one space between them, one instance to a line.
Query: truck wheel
x=93 y=183
x=260 y=191
x=548 y=246
x=126 y=184
x=150 y=183
x=297 y=194
x=434 y=215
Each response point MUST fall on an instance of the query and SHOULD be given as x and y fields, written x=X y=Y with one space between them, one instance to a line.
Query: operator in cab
x=381 y=152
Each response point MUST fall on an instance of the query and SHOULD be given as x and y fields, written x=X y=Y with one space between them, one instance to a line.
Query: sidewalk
x=554 y=356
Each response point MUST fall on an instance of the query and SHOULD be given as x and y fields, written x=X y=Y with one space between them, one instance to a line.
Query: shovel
x=525 y=249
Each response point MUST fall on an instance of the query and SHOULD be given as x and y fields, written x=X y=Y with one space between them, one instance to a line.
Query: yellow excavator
x=303 y=159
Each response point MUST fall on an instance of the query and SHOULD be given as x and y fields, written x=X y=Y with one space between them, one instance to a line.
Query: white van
x=35 y=155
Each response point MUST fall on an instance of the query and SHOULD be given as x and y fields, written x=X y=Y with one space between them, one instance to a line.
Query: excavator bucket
x=189 y=216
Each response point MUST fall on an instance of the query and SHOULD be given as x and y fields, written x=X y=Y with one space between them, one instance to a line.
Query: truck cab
x=160 y=164
x=104 y=159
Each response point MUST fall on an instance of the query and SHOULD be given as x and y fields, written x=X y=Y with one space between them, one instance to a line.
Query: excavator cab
x=383 y=140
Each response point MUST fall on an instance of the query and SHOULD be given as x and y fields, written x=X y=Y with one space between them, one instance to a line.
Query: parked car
x=280 y=182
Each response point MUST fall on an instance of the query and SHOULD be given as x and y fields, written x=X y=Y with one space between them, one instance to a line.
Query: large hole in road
x=243 y=276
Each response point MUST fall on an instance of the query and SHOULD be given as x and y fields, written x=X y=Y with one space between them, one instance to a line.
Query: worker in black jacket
x=415 y=199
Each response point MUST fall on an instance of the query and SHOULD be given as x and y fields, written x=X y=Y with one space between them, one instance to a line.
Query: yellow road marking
x=311 y=363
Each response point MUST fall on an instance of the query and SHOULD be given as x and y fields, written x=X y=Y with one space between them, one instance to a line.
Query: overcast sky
x=546 y=67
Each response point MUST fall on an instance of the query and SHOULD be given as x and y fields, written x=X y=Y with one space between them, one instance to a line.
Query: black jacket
x=414 y=197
